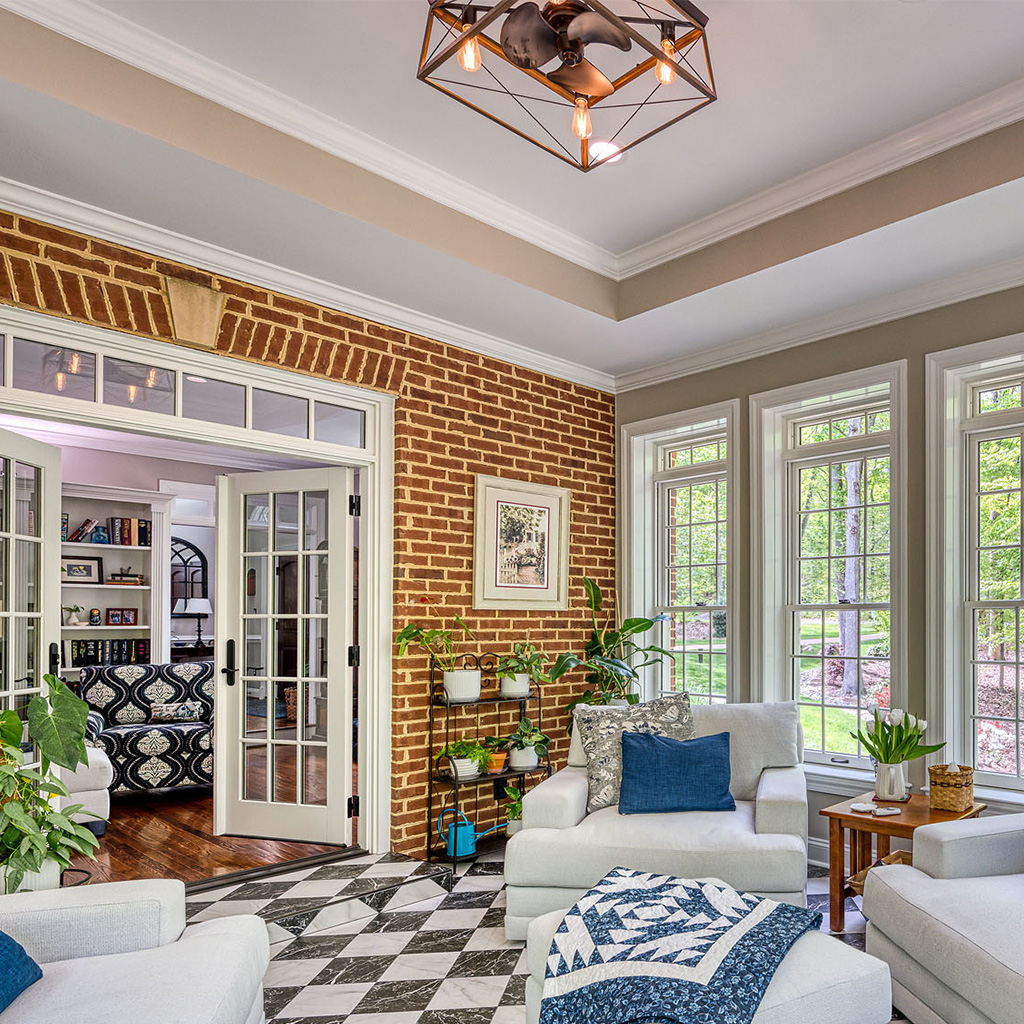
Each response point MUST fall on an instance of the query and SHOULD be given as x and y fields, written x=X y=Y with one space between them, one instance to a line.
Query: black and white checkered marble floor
x=418 y=954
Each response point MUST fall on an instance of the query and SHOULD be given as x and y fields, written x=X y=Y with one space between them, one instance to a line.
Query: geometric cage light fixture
x=584 y=80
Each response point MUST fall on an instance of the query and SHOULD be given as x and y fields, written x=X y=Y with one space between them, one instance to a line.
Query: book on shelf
x=125 y=530
x=84 y=530
x=64 y=526
x=83 y=653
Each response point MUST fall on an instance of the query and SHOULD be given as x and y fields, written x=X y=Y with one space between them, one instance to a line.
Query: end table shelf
x=862 y=825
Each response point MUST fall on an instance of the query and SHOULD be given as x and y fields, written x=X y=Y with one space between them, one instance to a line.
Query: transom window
x=692 y=495
x=74 y=372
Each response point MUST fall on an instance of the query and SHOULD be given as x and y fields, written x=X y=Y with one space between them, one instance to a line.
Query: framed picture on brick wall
x=520 y=545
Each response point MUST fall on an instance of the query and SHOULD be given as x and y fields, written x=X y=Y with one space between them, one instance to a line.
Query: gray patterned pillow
x=601 y=731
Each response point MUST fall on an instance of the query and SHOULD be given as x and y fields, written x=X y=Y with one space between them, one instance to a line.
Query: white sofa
x=760 y=847
x=950 y=926
x=120 y=952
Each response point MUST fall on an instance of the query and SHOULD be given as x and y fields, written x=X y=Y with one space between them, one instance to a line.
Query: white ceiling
x=801 y=84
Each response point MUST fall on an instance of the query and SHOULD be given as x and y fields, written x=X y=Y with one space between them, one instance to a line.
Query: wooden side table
x=862 y=826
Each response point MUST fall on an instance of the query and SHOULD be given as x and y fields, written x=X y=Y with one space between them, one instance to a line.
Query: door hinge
x=355 y=505
x=353 y=656
x=353 y=807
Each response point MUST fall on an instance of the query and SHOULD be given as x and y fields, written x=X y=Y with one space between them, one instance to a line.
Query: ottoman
x=821 y=981
x=88 y=787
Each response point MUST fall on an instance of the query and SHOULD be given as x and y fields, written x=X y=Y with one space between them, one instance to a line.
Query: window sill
x=1001 y=801
x=837 y=781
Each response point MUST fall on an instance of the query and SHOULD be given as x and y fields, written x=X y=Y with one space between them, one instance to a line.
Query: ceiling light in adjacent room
x=605 y=153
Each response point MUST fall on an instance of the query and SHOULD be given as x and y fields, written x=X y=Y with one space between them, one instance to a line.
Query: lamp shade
x=199 y=606
x=179 y=606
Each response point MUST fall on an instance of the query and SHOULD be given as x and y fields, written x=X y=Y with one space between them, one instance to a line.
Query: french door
x=283 y=714
x=30 y=568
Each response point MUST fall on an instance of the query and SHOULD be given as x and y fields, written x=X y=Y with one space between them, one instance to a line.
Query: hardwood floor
x=168 y=835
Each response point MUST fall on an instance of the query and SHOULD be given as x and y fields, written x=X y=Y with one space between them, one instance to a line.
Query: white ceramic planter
x=515 y=686
x=462 y=685
x=35 y=881
x=522 y=760
x=465 y=768
x=891 y=781
x=514 y=826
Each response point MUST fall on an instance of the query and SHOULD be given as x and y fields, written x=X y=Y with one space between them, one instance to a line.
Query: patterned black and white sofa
x=148 y=754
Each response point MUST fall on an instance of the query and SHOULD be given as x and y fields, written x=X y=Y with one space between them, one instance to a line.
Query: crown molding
x=90 y=220
x=961 y=124
x=110 y=33
x=107 y=32
x=947 y=292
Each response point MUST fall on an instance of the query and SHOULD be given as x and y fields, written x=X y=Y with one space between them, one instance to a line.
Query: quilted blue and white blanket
x=642 y=948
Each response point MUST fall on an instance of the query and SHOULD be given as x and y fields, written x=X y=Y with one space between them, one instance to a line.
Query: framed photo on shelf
x=129 y=616
x=79 y=570
x=114 y=617
x=520 y=545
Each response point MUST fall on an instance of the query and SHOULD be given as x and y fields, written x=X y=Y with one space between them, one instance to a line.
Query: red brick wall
x=458 y=414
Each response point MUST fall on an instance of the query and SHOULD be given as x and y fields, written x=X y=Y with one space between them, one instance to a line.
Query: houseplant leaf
x=57 y=724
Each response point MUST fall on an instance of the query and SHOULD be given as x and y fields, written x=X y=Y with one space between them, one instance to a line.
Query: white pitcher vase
x=891 y=781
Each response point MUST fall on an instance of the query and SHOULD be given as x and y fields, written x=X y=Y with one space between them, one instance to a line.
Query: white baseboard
x=817 y=852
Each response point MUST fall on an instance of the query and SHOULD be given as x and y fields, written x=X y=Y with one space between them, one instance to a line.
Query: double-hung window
x=829 y=561
x=679 y=520
x=976 y=547
x=693 y=496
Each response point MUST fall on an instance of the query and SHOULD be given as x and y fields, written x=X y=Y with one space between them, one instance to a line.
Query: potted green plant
x=894 y=739
x=38 y=841
x=72 y=617
x=442 y=644
x=513 y=810
x=518 y=671
x=467 y=759
x=612 y=654
x=497 y=747
x=526 y=746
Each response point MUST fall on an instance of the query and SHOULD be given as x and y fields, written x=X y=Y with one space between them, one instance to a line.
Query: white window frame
x=375 y=461
x=951 y=377
x=772 y=414
x=639 y=568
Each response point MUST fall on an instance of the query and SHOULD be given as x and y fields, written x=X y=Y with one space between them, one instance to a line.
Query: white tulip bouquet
x=895 y=736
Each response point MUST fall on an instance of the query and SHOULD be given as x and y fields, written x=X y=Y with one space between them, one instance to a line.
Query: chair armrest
x=558 y=802
x=93 y=920
x=781 y=802
x=971 y=849
x=94 y=725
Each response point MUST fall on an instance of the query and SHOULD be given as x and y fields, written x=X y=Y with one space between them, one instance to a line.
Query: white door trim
x=376 y=462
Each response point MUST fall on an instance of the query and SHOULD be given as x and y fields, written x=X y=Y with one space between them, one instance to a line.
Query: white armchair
x=121 y=952
x=949 y=927
x=760 y=847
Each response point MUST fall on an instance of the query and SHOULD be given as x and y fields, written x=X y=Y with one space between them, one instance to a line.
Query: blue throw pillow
x=17 y=970
x=660 y=774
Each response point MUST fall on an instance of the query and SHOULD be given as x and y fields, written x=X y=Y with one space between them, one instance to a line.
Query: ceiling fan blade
x=593 y=28
x=583 y=79
x=527 y=39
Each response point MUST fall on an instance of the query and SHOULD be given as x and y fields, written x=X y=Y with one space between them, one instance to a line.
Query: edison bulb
x=665 y=70
x=469 y=55
x=132 y=392
x=75 y=362
x=581 y=126
x=59 y=380
x=151 y=377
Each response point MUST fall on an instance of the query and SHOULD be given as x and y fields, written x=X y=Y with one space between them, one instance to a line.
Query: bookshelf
x=146 y=637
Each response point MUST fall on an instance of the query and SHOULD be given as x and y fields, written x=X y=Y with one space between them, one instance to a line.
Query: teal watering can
x=462 y=836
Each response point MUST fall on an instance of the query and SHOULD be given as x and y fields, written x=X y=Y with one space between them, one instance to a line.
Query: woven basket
x=951 y=791
x=856 y=882
x=291 y=702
